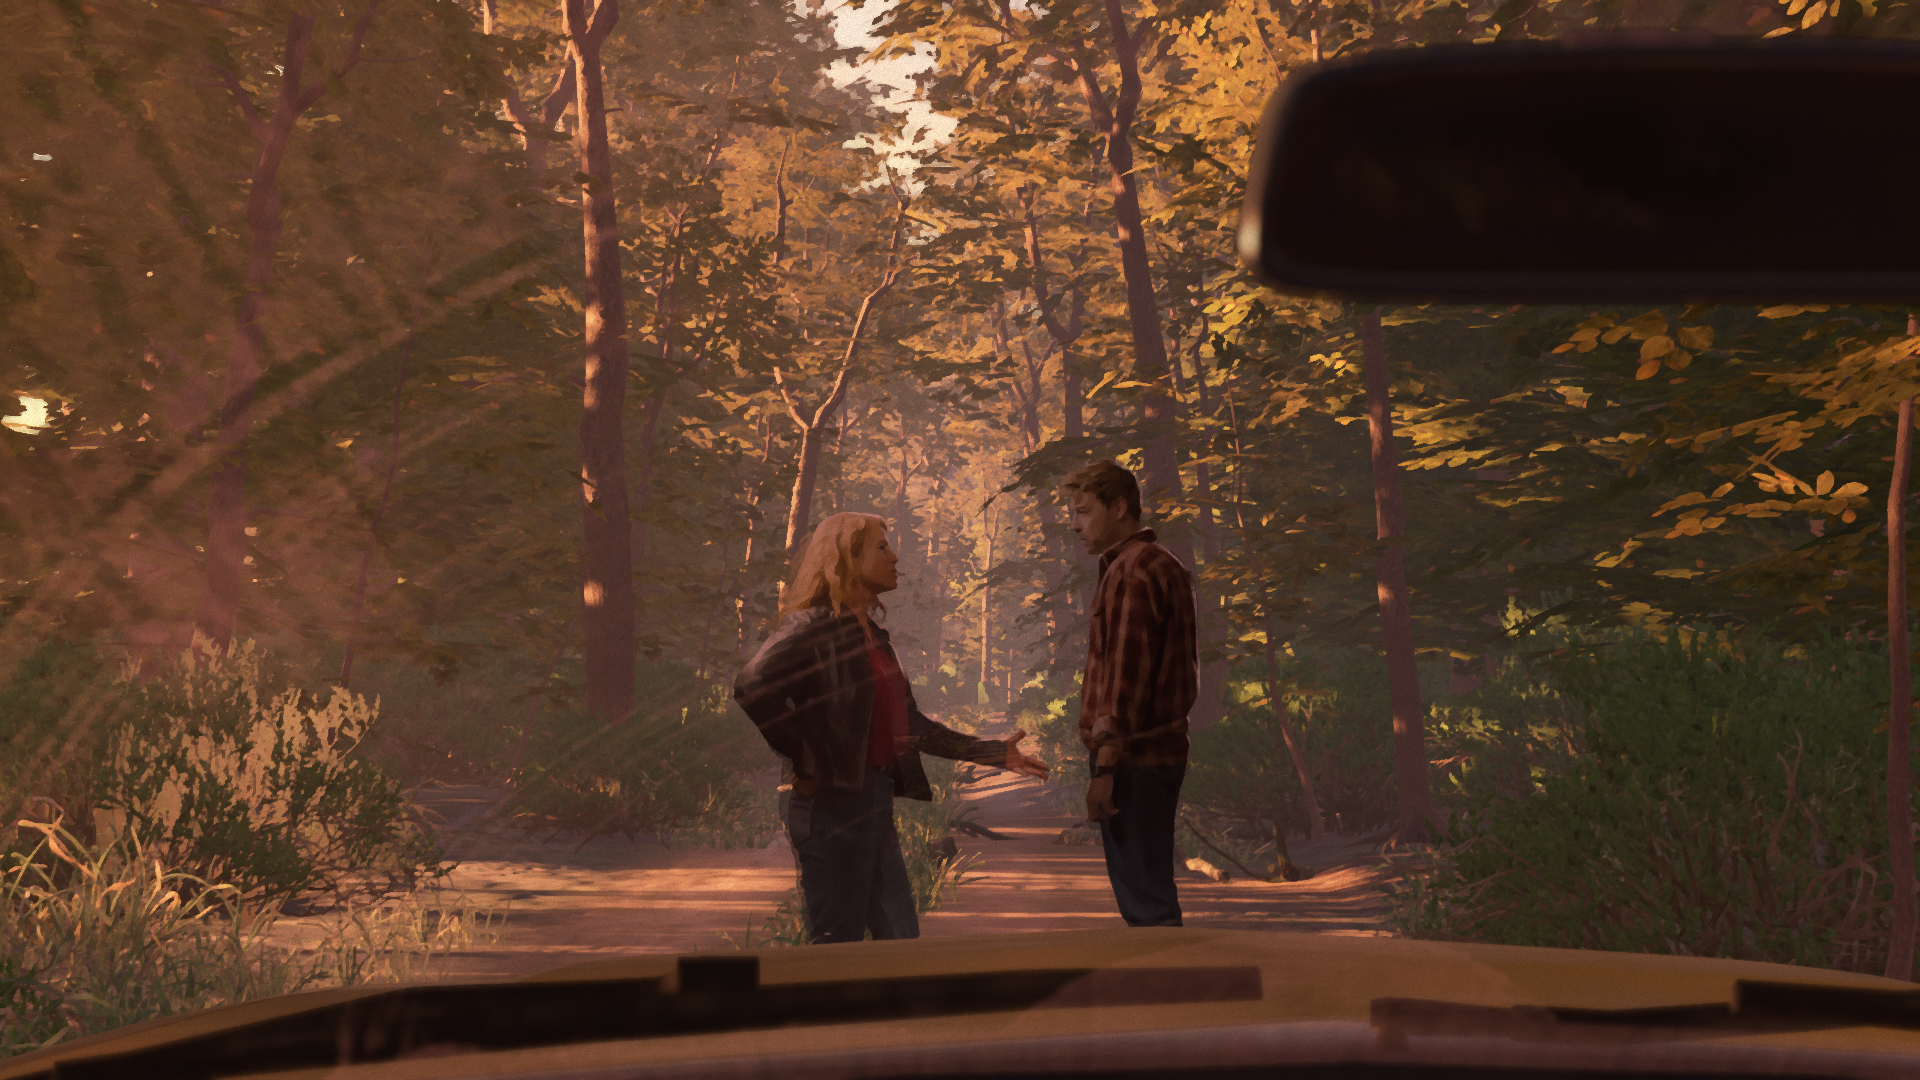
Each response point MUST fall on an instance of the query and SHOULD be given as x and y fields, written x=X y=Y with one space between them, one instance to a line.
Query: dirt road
x=609 y=897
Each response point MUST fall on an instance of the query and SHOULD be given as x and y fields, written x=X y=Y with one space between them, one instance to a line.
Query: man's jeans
x=1139 y=843
x=851 y=872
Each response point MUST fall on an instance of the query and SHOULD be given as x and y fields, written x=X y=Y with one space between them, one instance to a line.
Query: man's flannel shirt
x=1143 y=657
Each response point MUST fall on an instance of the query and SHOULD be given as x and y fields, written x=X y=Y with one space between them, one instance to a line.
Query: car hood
x=1079 y=1001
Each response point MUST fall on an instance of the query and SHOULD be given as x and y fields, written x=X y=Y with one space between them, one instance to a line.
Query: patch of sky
x=892 y=77
x=32 y=419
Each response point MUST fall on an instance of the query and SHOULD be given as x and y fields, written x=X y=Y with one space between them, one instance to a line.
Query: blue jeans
x=851 y=872
x=1139 y=843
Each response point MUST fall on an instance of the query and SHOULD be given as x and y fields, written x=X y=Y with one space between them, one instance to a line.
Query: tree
x=606 y=619
x=1396 y=621
x=812 y=426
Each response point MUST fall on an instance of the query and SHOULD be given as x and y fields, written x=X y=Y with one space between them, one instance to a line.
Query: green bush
x=463 y=731
x=218 y=766
x=675 y=767
x=1048 y=710
x=1729 y=802
x=60 y=703
x=226 y=773
x=1338 y=706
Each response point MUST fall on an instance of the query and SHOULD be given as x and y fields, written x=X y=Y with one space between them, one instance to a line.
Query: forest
x=468 y=370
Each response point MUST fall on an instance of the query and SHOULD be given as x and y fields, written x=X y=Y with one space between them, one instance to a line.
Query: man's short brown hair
x=1105 y=481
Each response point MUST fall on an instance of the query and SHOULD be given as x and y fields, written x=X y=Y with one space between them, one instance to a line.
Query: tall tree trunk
x=1316 y=828
x=753 y=519
x=986 y=648
x=607 y=528
x=1073 y=425
x=219 y=606
x=1115 y=122
x=1210 y=702
x=1396 y=613
x=935 y=645
x=800 y=506
x=1159 y=408
x=1900 y=701
x=1063 y=336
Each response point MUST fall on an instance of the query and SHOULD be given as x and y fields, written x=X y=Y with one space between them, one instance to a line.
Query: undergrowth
x=1728 y=801
x=935 y=869
x=95 y=937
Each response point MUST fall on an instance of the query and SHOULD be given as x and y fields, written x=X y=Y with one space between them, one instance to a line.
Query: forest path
x=567 y=902
x=1033 y=881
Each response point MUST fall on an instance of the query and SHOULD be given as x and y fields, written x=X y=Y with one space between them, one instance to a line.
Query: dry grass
x=92 y=939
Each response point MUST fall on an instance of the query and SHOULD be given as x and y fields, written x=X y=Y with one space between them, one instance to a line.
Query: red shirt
x=888 y=739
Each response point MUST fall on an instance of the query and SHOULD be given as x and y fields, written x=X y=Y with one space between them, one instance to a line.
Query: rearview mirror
x=1542 y=172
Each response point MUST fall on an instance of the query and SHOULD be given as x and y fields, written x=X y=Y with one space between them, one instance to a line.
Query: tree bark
x=1159 y=408
x=1396 y=615
x=1115 y=122
x=219 y=607
x=607 y=528
x=800 y=508
x=1316 y=828
x=1210 y=703
x=1900 y=702
x=986 y=591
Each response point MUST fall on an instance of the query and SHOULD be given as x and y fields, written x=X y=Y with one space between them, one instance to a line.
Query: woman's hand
x=1021 y=763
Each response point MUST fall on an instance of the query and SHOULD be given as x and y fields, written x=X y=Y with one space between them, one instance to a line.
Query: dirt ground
x=565 y=902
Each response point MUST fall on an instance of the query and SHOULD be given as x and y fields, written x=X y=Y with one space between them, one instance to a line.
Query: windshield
x=432 y=424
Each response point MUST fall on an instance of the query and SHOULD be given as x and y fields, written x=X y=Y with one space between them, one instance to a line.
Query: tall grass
x=95 y=937
x=935 y=870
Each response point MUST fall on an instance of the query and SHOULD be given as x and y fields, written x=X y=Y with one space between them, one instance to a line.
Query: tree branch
x=557 y=99
x=248 y=109
x=1090 y=87
x=781 y=384
x=605 y=14
x=1126 y=46
x=1027 y=195
x=359 y=37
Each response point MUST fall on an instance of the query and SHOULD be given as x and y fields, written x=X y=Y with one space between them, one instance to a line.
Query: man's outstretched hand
x=1020 y=762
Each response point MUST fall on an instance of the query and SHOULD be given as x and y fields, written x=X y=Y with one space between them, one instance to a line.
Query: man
x=1142 y=676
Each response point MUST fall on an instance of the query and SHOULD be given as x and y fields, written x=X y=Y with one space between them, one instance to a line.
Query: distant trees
x=365 y=365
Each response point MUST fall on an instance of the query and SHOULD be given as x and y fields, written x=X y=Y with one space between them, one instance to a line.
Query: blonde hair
x=826 y=573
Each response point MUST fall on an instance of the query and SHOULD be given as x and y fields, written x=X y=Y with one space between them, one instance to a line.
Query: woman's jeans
x=1139 y=843
x=851 y=871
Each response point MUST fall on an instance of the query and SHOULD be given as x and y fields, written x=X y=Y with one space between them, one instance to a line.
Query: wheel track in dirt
x=566 y=902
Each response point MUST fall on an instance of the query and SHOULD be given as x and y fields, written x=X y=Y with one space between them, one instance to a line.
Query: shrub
x=1048 y=710
x=934 y=868
x=675 y=767
x=60 y=703
x=1726 y=804
x=1340 y=711
x=222 y=771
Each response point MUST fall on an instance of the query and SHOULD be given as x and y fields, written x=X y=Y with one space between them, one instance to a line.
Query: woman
x=827 y=693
